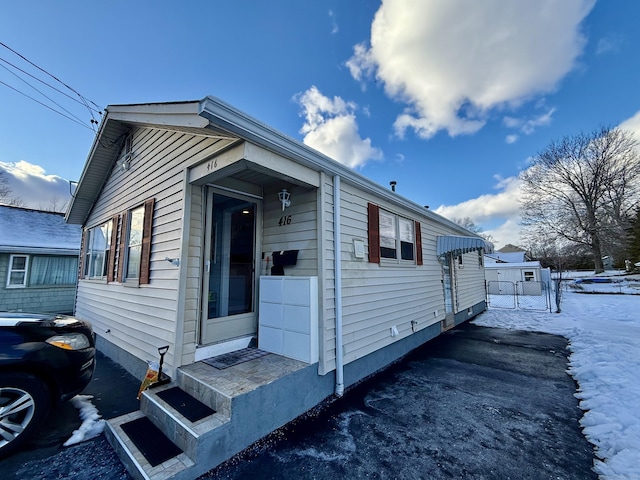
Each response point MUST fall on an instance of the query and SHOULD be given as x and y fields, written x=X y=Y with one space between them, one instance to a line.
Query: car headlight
x=70 y=341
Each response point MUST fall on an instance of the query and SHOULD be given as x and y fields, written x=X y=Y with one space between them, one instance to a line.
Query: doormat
x=151 y=442
x=234 y=358
x=191 y=408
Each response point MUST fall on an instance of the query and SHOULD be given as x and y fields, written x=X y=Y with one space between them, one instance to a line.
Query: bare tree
x=56 y=204
x=6 y=192
x=583 y=189
x=469 y=224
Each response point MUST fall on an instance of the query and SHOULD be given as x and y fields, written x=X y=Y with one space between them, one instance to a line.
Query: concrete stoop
x=215 y=438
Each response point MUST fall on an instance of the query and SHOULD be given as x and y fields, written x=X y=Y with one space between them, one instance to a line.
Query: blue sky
x=448 y=98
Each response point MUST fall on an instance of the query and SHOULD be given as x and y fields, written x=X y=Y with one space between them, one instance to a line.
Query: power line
x=48 y=85
x=45 y=96
x=46 y=106
x=82 y=99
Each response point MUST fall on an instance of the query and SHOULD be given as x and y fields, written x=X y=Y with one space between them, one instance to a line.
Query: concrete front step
x=264 y=394
x=176 y=468
x=180 y=430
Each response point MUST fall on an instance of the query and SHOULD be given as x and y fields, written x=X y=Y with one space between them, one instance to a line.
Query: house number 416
x=286 y=220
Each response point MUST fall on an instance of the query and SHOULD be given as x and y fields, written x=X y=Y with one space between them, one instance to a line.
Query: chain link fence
x=519 y=295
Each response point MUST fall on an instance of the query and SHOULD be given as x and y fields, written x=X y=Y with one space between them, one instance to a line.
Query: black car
x=44 y=360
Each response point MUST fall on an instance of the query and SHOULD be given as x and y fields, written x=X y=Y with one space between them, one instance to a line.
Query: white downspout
x=338 y=286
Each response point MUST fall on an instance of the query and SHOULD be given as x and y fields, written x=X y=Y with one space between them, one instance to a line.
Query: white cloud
x=501 y=208
x=609 y=44
x=511 y=138
x=31 y=184
x=633 y=125
x=330 y=127
x=452 y=62
x=529 y=126
x=334 y=23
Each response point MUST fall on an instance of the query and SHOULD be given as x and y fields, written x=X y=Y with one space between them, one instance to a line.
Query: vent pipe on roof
x=393 y=184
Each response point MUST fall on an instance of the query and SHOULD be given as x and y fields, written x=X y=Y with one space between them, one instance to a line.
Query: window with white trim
x=17 y=274
x=98 y=246
x=529 y=276
x=397 y=237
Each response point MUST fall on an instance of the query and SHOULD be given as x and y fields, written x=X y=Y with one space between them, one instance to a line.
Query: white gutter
x=338 y=286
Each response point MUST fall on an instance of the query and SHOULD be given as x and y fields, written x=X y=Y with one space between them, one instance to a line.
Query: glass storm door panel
x=229 y=271
x=448 y=289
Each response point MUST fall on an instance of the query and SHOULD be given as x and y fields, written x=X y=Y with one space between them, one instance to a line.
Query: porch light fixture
x=285 y=198
x=125 y=162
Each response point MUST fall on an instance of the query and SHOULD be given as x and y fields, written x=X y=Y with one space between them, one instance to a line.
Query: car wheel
x=24 y=403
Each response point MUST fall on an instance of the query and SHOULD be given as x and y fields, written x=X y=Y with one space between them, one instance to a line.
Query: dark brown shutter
x=112 y=249
x=374 y=232
x=418 y=244
x=122 y=248
x=83 y=251
x=145 y=255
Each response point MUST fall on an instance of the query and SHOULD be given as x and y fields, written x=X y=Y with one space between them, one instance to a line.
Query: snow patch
x=92 y=423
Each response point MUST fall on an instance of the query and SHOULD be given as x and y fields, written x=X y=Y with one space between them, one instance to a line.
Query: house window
x=96 y=256
x=529 y=276
x=393 y=237
x=396 y=237
x=17 y=274
x=134 y=258
x=134 y=247
x=53 y=270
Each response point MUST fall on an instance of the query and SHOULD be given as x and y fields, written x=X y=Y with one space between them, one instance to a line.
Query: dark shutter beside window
x=374 y=232
x=418 y=244
x=145 y=260
x=83 y=251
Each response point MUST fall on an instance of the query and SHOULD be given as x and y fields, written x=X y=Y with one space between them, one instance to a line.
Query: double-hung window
x=134 y=246
x=393 y=237
x=17 y=275
x=97 y=249
x=120 y=249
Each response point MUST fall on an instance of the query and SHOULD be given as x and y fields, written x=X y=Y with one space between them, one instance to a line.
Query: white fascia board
x=232 y=120
x=170 y=114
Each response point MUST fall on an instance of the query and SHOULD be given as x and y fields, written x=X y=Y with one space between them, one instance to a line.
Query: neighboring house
x=512 y=266
x=204 y=229
x=38 y=261
x=510 y=253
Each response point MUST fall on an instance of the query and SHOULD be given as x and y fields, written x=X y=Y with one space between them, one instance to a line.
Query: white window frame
x=136 y=225
x=394 y=231
x=91 y=252
x=529 y=275
x=11 y=270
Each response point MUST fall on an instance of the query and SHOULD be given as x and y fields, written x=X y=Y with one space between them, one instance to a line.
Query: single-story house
x=38 y=261
x=523 y=277
x=205 y=230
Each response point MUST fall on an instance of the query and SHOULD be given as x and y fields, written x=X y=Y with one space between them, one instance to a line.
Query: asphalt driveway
x=476 y=403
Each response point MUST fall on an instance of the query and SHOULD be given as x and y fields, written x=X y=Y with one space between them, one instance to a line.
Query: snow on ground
x=604 y=338
x=92 y=423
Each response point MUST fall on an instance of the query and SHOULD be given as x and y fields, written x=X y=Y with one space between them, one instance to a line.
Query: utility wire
x=47 y=84
x=83 y=99
x=41 y=93
x=46 y=106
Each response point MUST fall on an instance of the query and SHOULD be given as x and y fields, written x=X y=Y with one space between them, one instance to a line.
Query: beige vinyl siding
x=377 y=297
x=326 y=278
x=194 y=271
x=469 y=282
x=300 y=234
x=141 y=319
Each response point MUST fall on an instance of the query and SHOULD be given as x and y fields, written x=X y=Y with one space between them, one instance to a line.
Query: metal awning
x=458 y=245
